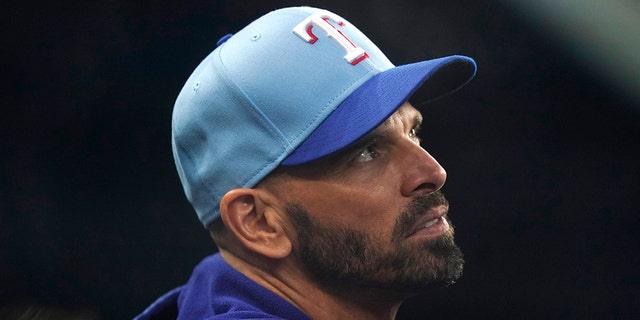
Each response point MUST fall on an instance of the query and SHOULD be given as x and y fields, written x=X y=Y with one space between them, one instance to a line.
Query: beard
x=340 y=258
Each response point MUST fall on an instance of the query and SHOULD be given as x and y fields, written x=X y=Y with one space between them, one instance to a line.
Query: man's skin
x=349 y=236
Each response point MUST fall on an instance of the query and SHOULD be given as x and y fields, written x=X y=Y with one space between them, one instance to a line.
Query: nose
x=422 y=172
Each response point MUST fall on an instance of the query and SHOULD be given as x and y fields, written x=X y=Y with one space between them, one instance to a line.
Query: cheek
x=369 y=201
x=371 y=209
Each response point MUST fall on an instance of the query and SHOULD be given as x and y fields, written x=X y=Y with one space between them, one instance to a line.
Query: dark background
x=541 y=150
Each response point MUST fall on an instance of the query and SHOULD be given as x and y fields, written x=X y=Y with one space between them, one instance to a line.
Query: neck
x=289 y=282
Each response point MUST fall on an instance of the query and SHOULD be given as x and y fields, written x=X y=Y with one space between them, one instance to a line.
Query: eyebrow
x=417 y=120
x=378 y=133
x=366 y=140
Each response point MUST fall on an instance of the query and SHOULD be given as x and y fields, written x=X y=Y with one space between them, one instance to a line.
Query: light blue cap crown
x=293 y=86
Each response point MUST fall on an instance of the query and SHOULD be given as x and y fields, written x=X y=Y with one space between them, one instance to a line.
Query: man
x=296 y=146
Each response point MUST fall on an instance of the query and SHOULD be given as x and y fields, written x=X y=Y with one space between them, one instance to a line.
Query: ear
x=250 y=214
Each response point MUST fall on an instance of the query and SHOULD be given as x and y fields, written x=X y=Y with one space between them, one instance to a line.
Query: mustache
x=416 y=208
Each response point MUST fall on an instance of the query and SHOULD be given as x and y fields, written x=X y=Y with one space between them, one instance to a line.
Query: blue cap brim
x=373 y=102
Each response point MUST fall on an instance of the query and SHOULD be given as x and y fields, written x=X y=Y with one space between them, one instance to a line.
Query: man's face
x=372 y=216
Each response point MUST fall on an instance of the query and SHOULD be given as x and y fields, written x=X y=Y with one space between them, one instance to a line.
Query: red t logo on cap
x=321 y=19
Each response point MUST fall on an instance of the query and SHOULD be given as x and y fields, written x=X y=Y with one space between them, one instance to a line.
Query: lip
x=431 y=225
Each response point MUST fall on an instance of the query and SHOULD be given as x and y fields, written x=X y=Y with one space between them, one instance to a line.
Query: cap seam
x=202 y=182
x=263 y=118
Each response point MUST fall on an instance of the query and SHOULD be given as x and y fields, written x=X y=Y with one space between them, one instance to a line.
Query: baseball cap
x=295 y=85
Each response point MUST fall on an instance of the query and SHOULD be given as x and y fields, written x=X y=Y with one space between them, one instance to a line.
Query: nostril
x=430 y=187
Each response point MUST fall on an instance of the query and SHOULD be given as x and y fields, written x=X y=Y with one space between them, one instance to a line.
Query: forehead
x=405 y=117
x=407 y=113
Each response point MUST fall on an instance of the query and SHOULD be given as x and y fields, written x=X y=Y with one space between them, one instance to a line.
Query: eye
x=414 y=134
x=367 y=154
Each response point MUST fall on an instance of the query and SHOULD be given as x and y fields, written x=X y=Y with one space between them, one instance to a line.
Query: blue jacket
x=218 y=291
